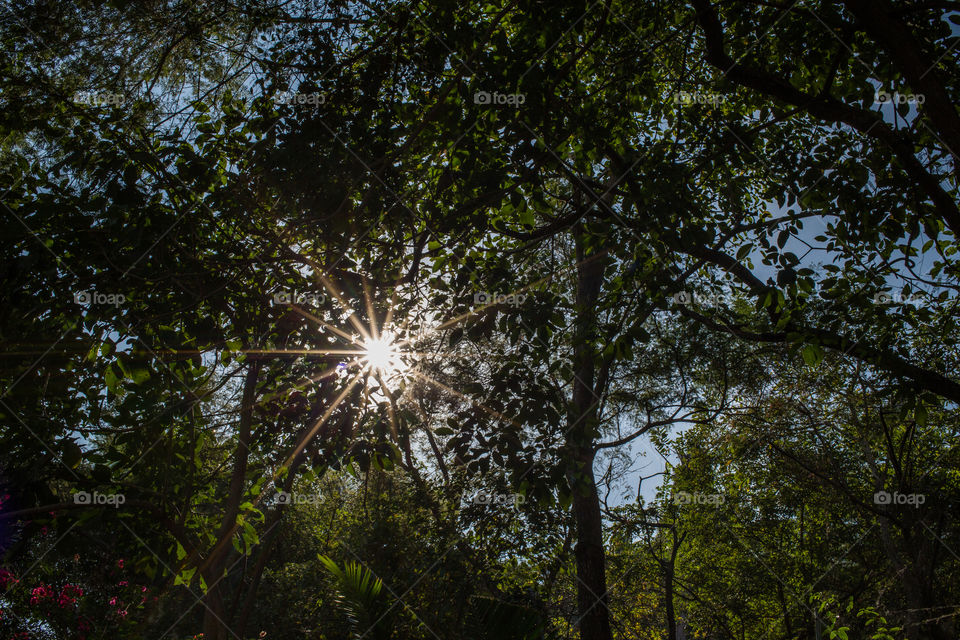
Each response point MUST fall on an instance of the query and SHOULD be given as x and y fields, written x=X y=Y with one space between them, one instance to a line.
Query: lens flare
x=382 y=356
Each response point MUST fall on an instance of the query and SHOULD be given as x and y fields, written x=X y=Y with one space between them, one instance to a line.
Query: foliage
x=721 y=233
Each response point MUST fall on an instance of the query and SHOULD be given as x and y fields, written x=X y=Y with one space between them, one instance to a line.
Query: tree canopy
x=328 y=319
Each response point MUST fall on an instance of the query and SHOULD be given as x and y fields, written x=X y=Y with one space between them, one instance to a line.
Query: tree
x=573 y=207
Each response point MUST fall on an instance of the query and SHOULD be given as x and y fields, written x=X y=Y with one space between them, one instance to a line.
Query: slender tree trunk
x=594 y=617
x=215 y=625
x=668 y=595
x=668 y=601
x=214 y=612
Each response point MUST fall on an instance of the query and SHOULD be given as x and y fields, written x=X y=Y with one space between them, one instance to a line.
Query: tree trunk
x=668 y=602
x=668 y=590
x=593 y=619
x=594 y=616
x=215 y=612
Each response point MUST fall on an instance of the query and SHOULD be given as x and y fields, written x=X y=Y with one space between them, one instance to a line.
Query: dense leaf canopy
x=325 y=319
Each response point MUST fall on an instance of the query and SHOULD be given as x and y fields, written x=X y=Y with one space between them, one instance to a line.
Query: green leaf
x=920 y=414
x=812 y=354
x=111 y=379
x=782 y=238
x=72 y=454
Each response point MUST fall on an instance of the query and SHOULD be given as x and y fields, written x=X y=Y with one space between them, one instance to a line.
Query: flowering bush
x=37 y=609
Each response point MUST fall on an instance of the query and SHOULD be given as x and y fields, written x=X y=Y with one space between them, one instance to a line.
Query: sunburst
x=383 y=356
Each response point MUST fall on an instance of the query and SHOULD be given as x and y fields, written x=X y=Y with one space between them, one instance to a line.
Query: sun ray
x=464 y=316
x=309 y=316
x=371 y=313
x=492 y=412
x=225 y=539
x=352 y=318
x=322 y=420
x=390 y=307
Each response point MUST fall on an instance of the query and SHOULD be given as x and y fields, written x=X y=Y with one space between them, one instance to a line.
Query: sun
x=382 y=355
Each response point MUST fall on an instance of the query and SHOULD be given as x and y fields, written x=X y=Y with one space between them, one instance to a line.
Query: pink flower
x=40 y=593
x=6 y=577
x=120 y=563
x=113 y=600
x=69 y=595
x=122 y=583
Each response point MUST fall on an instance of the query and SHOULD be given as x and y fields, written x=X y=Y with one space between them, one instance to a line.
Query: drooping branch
x=826 y=108
x=884 y=359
